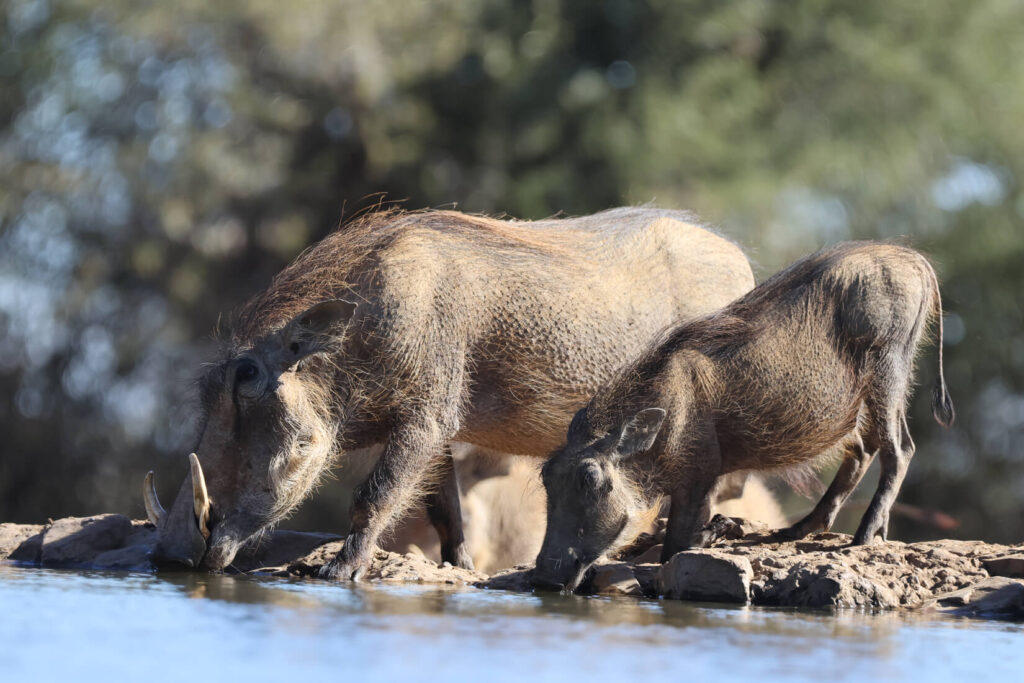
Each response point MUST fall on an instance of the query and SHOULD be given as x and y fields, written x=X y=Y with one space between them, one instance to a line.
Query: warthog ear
x=639 y=433
x=314 y=330
x=578 y=421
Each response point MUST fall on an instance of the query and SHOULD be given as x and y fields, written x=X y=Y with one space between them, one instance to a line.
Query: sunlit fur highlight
x=296 y=470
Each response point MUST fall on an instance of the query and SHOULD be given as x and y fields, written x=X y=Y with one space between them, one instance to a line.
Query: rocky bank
x=747 y=566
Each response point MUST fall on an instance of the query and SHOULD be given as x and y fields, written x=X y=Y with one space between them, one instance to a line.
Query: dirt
x=748 y=566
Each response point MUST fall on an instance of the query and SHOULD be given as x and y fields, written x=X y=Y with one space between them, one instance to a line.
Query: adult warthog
x=819 y=356
x=415 y=329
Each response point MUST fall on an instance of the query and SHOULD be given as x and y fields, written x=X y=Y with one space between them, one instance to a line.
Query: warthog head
x=268 y=432
x=591 y=504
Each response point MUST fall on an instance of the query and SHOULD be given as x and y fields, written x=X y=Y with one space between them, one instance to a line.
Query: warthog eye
x=246 y=371
x=247 y=379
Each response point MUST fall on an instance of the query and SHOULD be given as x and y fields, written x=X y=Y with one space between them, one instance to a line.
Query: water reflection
x=237 y=626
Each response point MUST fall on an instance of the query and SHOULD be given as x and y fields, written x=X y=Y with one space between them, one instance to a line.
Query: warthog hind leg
x=444 y=510
x=897 y=448
x=856 y=461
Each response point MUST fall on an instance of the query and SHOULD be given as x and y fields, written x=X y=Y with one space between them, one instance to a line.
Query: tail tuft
x=942 y=404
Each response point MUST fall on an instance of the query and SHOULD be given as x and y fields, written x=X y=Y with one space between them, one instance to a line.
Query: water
x=84 y=626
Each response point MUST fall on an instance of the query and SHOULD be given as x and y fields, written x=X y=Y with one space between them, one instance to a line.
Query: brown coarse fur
x=818 y=359
x=415 y=329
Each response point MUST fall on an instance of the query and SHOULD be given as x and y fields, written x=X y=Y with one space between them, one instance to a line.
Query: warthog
x=412 y=330
x=819 y=356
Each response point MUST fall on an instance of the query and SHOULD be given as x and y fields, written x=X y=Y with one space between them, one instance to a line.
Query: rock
x=994 y=598
x=749 y=527
x=941 y=556
x=77 y=541
x=129 y=558
x=650 y=556
x=710 y=575
x=615 y=579
x=516 y=579
x=824 y=586
x=1009 y=566
x=647 y=576
x=135 y=554
x=824 y=570
x=1002 y=601
x=21 y=542
x=956 y=598
x=310 y=564
x=388 y=566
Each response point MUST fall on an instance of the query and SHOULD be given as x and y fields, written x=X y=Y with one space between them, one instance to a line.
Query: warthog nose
x=171 y=560
x=546 y=583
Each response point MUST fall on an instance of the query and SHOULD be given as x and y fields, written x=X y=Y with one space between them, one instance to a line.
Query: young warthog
x=412 y=330
x=819 y=356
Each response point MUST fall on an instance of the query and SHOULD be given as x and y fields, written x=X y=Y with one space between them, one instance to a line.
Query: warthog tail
x=942 y=403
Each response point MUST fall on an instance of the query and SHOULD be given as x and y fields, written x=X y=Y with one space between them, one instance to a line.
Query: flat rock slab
x=615 y=579
x=1010 y=566
x=21 y=542
x=77 y=541
x=993 y=598
x=69 y=542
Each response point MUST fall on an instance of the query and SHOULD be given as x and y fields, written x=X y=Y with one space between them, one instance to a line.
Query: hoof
x=463 y=560
x=336 y=570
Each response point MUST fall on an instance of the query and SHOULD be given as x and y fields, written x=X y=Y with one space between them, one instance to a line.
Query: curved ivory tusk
x=154 y=510
x=200 y=498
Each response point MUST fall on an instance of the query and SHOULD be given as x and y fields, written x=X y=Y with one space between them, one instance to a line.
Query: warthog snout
x=177 y=557
x=558 y=571
x=546 y=583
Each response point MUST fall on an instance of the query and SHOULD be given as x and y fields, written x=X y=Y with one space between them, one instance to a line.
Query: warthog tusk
x=154 y=510
x=200 y=498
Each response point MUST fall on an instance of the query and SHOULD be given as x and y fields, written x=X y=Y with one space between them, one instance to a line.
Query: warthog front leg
x=689 y=512
x=385 y=494
x=690 y=508
x=444 y=510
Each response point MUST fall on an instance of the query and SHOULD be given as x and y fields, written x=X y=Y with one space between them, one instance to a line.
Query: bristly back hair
x=333 y=265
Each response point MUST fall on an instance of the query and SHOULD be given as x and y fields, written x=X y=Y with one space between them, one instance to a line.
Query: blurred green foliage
x=160 y=161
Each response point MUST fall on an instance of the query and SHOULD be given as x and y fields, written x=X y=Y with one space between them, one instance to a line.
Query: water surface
x=180 y=627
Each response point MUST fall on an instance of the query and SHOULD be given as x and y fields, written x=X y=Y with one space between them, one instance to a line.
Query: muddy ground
x=748 y=566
